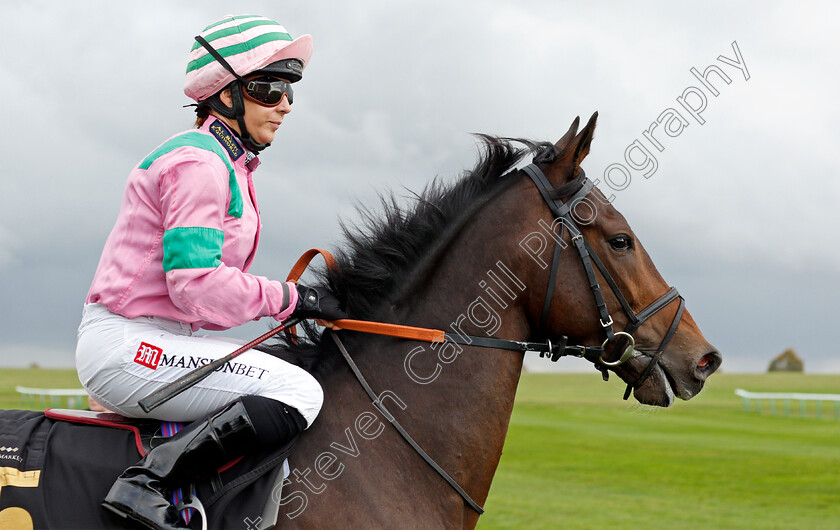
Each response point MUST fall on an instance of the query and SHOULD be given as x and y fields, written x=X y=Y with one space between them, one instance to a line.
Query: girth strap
x=407 y=437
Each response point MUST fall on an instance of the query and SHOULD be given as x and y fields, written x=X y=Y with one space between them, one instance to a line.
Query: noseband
x=579 y=188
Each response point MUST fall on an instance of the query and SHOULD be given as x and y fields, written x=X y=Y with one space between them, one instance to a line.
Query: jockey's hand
x=318 y=303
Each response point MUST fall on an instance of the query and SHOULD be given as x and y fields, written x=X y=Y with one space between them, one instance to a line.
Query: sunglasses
x=268 y=91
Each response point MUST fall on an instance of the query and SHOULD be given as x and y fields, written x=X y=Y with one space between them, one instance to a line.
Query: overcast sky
x=740 y=214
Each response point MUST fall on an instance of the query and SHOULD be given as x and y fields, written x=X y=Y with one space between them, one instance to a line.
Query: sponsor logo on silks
x=226 y=138
x=233 y=368
x=148 y=355
x=7 y=453
x=4 y=454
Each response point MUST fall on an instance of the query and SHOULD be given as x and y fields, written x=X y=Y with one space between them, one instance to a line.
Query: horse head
x=670 y=356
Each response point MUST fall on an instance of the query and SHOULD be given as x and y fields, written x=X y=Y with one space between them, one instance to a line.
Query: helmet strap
x=238 y=110
x=215 y=103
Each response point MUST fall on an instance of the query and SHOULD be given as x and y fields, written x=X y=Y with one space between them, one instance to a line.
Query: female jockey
x=176 y=262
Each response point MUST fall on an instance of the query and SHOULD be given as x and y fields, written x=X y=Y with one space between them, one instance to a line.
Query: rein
x=407 y=437
x=579 y=188
x=554 y=350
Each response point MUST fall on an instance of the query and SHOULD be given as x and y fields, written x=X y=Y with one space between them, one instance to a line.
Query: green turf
x=577 y=456
x=33 y=377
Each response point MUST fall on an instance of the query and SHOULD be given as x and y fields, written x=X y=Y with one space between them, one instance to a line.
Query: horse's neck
x=455 y=402
x=472 y=396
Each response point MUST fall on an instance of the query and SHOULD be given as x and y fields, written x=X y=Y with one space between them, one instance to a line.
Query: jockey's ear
x=224 y=95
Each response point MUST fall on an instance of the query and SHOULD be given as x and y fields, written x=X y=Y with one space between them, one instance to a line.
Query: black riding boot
x=141 y=492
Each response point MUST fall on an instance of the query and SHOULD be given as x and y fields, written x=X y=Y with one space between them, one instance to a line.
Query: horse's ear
x=564 y=141
x=572 y=152
x=578 y=148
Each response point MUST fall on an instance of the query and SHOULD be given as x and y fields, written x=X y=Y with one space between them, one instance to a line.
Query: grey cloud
x=739 y=214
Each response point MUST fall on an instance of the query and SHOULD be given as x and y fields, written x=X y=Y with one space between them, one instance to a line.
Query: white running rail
x=53 y=397
x=785 y=398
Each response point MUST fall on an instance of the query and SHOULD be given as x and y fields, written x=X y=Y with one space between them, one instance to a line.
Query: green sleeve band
x=192 y=247
x=208 y=143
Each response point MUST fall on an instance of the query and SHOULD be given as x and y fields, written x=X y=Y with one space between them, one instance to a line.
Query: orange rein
x=379 y=328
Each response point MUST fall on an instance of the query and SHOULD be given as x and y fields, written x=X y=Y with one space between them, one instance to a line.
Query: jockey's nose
x=284 y=106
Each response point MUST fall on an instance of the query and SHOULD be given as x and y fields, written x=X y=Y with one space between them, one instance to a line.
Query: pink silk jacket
x=186 y=235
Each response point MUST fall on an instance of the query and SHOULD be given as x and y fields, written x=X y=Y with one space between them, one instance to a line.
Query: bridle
x=579 y=188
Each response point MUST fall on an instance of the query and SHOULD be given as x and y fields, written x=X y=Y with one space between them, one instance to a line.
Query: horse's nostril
x=707 y=365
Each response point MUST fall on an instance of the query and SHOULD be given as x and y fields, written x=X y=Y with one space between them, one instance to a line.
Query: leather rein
x=562 y=211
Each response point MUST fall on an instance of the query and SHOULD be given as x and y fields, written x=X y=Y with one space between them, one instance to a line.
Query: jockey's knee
x=316 y=394
x=300 y=390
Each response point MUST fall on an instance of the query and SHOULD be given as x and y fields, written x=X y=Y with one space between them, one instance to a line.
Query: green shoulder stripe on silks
x=192 y=247
x=208 y=143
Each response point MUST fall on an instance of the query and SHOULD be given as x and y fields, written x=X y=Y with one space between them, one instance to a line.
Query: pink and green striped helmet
x=248 y=43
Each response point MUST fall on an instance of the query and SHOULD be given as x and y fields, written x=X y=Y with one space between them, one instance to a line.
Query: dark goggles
x=267 y=91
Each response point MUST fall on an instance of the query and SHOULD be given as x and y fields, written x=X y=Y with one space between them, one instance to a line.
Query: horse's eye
x=621 y=243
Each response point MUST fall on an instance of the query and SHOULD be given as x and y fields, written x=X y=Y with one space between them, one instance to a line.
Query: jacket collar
x=229 y=141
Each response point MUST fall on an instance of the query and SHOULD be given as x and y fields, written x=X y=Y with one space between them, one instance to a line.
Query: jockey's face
x=261 y=121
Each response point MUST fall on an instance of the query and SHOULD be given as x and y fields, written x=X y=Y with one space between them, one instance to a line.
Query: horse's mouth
x=660 y=389
x=671 y=389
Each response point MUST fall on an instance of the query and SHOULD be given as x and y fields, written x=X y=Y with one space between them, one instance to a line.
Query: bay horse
x=466 y=258
x=505 y=260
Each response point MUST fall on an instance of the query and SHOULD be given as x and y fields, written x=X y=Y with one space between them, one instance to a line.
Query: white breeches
x=121 y=360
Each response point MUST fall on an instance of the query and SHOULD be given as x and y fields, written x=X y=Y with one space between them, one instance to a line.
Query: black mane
x=386 y=250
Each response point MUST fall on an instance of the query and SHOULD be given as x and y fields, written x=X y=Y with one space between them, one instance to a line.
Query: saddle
x=144 y=430
x=257 y=476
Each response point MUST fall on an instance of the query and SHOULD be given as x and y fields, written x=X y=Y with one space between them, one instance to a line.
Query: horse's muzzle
x=708 y=365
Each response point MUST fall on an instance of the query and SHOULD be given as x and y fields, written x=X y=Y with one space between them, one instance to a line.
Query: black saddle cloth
x=55 y=474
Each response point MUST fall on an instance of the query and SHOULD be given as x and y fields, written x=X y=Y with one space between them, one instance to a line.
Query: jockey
x=176 y=262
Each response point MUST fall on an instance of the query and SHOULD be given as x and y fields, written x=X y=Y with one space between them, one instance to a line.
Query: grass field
x=38 y=378
x=577 y=456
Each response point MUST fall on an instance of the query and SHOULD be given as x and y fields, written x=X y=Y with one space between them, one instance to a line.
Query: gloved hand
x=318 y=302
